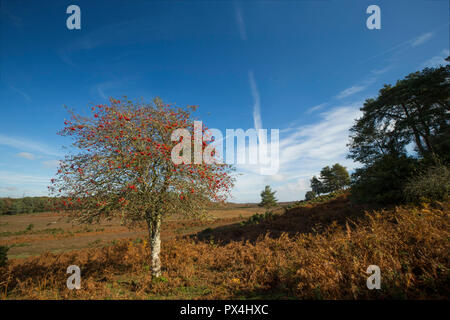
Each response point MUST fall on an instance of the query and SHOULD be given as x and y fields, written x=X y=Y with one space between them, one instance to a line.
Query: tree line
x=403 y=142
x=27 y=205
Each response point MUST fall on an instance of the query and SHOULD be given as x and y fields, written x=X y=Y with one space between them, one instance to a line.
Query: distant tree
x=268 y=199
x=3 y=206
x=18 y=206
x=341 y=176
x=317 y=185
x=309 y=195
x=334 y=178
x=125 y=169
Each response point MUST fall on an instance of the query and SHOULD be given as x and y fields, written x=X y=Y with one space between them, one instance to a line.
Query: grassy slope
x=316 y=251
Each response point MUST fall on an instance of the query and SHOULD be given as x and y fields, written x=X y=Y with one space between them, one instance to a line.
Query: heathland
x=316 y=249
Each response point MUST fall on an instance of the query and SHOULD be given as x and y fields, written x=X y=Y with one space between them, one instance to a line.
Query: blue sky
x=303 y=67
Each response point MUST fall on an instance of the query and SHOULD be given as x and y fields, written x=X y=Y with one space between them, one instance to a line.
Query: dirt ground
x=33 y=234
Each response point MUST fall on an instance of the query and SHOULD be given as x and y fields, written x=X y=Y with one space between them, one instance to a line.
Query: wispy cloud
x=317 y=107
x=15 y=178
x=437 y=59
x=102 y=87
x=112 y=34
x=304 y=150
x=23 y=94
x=350 y=91
x=421 y=39
x=15 y=184
x=381 y=71
x=414 y=42
x=361 y=86
x=25 y=144
x=256 y=101
x=240 y=21
x=26 y=155
x=51 y=163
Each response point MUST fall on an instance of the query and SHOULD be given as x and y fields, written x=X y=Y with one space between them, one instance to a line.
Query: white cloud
x=363 y=85
x=381 y=71
x=421 y=39
x=26 y=155
x=351 y=91
x=414 y=42
x=14 y=178
x=256 y=101
x=317 y=107
x=16 y=184
x=51 y=163
x=100 y=88
x=240 y=21
x=437 y=60
x=25 y=144
x=304 y=150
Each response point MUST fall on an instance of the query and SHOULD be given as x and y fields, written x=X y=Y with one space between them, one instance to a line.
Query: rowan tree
x=122 y=167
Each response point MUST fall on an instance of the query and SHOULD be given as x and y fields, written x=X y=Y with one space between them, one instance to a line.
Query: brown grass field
x=313 y=251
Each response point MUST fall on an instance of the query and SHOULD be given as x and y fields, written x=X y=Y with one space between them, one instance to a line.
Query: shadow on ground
x=306 y=219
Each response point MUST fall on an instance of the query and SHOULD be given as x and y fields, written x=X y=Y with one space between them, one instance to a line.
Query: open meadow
x=33 y=234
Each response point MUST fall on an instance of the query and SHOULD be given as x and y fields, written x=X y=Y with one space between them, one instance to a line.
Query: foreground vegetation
x=325 y=259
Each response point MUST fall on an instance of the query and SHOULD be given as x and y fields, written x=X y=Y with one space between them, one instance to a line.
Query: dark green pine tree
x=317 y=186
x=268 y=199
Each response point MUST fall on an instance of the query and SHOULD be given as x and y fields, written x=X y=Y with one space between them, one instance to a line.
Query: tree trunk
x=154 y=230
x=415 y=131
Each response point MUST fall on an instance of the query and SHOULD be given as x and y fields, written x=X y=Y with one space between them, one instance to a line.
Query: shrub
x=3 y=255
x=258 y=218
x=432 y=184
x=319 y=199
x=382 y=182
x=310 y=195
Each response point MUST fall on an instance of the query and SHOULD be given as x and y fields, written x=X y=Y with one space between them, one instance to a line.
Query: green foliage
x=382 y=182
x=433 y=184
x=414 y=110
x=334 y=178
x=317 y=185
x=310 y=195
x=268 y=199
x=29 y=230
x=319 y=199
x=27 y=205
x=330 y=180
x=3 y=255
x=258 y=218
